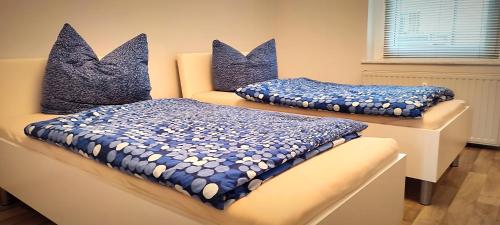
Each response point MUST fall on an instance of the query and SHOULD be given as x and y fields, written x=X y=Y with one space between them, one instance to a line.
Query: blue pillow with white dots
x=231 y=69
x=76 y=79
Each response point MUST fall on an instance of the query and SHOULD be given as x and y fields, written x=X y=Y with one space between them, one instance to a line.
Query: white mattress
x=294 y=196
x=434 y=118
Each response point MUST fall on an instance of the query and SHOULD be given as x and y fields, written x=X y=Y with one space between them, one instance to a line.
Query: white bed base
x=429 y=151
x=81 y=194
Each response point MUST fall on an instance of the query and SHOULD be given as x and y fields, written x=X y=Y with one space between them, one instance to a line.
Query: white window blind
x=442 y=29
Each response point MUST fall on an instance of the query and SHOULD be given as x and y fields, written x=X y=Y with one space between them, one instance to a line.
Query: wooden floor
x=466 y=195
x=19 y=213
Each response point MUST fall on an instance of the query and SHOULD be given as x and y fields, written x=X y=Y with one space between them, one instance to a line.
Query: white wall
x=29 y=28
x=320 y=39
x=326 y=40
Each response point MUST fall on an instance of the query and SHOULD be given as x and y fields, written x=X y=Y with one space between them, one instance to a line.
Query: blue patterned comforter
x=216 y=154
x=405 y=101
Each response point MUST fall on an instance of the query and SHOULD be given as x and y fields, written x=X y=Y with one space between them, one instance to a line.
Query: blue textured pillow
x=75 y=79
x=231 y=69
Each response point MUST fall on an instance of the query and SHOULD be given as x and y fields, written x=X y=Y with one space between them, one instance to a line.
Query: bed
x=61 y=184
x=431 y=143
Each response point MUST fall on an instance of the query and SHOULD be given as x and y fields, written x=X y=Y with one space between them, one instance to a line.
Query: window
x=441 y=29
x=466 y=29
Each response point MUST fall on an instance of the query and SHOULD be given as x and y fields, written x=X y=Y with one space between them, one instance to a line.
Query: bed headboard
x=195 y=73
x=20 y=86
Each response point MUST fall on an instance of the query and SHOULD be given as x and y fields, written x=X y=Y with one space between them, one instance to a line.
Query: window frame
x=375 y=44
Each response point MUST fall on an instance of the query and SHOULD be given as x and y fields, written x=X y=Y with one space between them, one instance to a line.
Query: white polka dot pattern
x=217 y=154
x=405 y=101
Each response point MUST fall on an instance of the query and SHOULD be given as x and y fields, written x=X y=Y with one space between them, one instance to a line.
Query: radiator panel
x=480 y=91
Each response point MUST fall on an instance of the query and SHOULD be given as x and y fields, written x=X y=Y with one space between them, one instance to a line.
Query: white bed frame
x=429 y=151
x=69 y=189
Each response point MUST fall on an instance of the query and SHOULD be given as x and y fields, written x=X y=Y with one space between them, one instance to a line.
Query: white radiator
x=481 y=91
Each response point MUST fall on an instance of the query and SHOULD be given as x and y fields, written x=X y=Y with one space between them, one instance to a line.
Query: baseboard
x=473 y=145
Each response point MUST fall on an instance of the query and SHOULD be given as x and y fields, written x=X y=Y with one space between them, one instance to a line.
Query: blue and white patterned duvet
x=216 y=154
x=405 y=101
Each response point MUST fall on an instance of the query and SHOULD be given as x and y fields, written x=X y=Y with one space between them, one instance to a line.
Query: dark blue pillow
x=231 y=69
x=76 y=80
